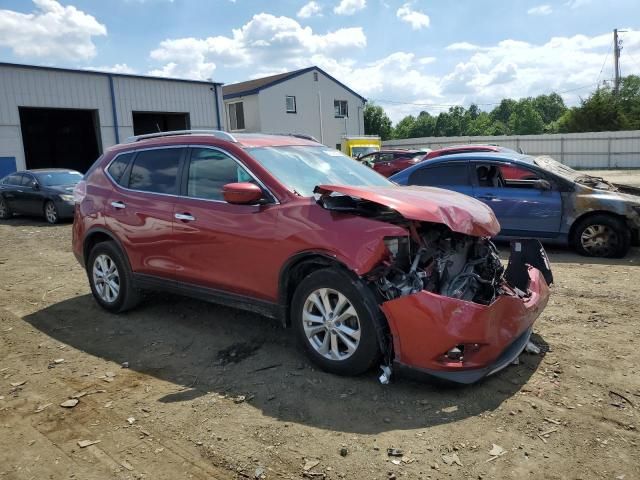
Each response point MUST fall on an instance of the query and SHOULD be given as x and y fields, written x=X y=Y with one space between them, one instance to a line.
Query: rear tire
x=51 y=213
x=110 y=278
x=5 y=213
x=334 y=323
x=601 y=235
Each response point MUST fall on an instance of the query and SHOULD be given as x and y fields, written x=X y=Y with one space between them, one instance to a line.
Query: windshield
x=59 y=178
x=556 y=167
x=301 y=169
x=360 y=151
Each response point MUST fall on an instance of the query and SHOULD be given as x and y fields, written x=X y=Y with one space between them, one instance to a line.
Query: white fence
x=580 y=150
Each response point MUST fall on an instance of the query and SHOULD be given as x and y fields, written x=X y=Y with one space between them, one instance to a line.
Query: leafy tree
x=502 y=113
x=424 y=126
x=376 y=121
x=404 y=127
x=550 y=107
x=525 y=119
x=482 y=125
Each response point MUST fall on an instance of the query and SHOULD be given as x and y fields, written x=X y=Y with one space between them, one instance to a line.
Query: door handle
x=118 y=205
x=185 y=217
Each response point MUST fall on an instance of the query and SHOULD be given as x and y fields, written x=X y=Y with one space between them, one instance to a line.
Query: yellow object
x=361 y=145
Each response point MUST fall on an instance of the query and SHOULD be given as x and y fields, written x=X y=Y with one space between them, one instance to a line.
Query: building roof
x=252 y=87
x=98 y=72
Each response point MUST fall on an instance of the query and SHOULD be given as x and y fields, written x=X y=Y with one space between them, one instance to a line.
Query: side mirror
x=34 y=185
x=243 y=193
x=542 y=184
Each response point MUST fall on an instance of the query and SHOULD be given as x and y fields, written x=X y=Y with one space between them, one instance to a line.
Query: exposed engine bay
x=438 y=260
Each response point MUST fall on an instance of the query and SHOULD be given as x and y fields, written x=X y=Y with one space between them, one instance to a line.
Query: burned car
x=365 y=271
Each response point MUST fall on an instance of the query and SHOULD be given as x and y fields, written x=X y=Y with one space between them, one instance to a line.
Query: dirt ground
x=215 y=393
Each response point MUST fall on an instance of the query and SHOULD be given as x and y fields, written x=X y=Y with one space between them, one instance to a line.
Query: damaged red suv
x=366 y=272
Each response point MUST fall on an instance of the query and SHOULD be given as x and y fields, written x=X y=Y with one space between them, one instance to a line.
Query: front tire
x=602 y=235
x=5 y=213
x=51 y=213
x=110 y=278
x=335 y=323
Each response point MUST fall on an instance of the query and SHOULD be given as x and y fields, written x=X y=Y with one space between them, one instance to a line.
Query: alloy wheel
x=50 y=213
x=106 y=278
x=331 y=324
x=599 y=240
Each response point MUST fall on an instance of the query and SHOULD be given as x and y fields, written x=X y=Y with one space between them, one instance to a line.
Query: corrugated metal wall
x=579 y=150
x=27 y=86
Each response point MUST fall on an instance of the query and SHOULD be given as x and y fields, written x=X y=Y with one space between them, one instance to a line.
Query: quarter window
x=210 y=170
x=119 y=166
x=440 y=175
x=341 y=108
x=156 y=171
x=291 y=104
x=236 y=116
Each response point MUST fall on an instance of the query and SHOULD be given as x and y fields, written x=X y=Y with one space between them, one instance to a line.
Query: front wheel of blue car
x=602 y=235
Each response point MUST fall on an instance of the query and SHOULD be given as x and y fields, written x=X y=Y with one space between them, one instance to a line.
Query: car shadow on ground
x=35 y=221
x=203 y=348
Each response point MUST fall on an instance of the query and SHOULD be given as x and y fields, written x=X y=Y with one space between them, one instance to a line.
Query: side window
x=156 y=171
x=210 y=170
x=384 y=157
x=15 y=179
x=236 y=116
x=119 y=166
x=513 y=172
x=505 y=176
x=441 y=175
x=26 y=180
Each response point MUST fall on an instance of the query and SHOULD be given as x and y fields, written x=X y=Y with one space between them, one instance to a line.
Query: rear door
x=140 y=208
x=522 y=208
x=13 y=193
x=221 y=245
x=384 y=164
x=450 y=175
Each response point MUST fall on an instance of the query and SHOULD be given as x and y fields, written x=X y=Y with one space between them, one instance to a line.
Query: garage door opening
x=59 y=138
x=152 y=122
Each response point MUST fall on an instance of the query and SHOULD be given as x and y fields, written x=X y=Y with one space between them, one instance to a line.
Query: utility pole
x=617 y=48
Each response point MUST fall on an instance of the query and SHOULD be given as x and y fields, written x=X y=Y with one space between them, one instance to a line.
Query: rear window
x=156 y=171
x=119 y=166
x=14 y=179
x=440 y=175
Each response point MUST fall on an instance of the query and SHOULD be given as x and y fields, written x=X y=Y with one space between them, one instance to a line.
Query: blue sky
x=405 y=55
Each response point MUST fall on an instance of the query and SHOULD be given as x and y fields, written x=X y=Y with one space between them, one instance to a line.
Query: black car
x=45 y=192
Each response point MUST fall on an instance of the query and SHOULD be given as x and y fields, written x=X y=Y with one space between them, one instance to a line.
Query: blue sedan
x=538 y=197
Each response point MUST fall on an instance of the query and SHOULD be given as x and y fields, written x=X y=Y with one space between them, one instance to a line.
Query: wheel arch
x=592 y=213
x=98 y=235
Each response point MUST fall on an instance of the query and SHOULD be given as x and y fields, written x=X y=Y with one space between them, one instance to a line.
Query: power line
x=605 y=62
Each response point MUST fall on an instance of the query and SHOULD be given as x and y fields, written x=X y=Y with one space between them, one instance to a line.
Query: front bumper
x=425 y=326
x=65 y=209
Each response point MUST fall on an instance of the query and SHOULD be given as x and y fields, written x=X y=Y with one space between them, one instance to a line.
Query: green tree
x=550 y=107
x=424 y=126
x=480 y=126
x=502 y=113
x=403 y=127
x=376 y=121
x=525 y=119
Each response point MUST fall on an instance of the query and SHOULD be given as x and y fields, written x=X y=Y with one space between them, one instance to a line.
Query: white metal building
x=307 y=101
x=55 y=117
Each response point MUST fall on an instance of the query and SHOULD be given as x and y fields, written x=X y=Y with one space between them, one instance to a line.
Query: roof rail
x=215 y=133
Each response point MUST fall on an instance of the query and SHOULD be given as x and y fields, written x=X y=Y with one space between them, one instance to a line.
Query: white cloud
x=577 y=3
x=349 y=7
x=52 y=31
x=416 y=19
x=540 y=10
x=264 y=41
x=310 y=9
x=465 y=46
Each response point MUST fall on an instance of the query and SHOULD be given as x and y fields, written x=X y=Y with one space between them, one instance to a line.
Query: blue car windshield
x=302 y=168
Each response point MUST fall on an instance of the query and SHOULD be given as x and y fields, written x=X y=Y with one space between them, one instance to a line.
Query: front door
x=221 y=245
x=31 y=198
x=515 y=196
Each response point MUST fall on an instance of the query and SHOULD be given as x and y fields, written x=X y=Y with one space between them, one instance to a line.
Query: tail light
x=80 y=191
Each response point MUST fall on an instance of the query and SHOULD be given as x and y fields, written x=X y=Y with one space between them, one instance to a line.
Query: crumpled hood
x=459 y=212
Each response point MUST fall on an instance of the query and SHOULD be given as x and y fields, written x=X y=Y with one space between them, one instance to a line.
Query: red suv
x=363 y=270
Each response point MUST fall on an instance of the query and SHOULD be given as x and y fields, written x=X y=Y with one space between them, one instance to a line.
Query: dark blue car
x=538 y=197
